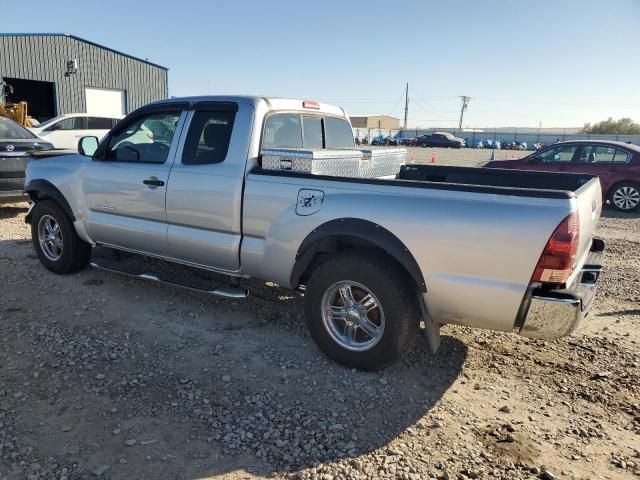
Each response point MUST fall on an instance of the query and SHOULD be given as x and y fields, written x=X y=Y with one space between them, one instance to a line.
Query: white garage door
x=104 y=101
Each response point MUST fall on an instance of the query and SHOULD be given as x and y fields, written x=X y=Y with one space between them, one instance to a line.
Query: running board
x=225 y=292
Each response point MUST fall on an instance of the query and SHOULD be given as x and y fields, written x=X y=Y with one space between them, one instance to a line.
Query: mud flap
x=432 y=329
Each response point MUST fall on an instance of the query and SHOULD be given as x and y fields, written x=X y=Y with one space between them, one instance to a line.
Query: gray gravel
x=107 y=377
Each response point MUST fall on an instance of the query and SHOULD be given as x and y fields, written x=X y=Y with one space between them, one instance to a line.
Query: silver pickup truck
x=182 y=180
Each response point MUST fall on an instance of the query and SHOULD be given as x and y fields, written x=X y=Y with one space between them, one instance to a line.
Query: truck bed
x=469 y=179
x=522 y=179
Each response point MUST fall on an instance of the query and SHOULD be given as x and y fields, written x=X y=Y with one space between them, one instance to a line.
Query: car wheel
x=360 y=312
x=55 y=240
x=625 y=196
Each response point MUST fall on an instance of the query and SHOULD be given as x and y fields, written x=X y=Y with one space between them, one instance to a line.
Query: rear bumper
x=556 y=313
x=11 y=186
x=13 y=197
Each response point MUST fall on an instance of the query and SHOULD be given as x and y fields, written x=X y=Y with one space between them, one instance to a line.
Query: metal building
x=59 y=73
x=383 y=122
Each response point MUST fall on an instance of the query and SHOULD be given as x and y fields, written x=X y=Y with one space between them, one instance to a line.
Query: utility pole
x=463 y=108
x=406 y=106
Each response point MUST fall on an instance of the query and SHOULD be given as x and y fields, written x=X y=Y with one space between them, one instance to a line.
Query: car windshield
x=445 y=134
x=46 y=123
x=11 y=130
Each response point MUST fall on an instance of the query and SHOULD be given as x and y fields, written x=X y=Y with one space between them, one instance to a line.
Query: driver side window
x=145 y=140
x=562 y=154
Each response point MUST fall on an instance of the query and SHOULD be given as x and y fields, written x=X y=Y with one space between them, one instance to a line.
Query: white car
x=64 y=131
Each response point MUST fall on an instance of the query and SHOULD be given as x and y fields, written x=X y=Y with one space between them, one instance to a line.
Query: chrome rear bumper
x=551 y=314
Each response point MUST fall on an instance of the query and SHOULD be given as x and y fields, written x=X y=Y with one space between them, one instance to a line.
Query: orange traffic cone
x=513 y=156
x=433 y=156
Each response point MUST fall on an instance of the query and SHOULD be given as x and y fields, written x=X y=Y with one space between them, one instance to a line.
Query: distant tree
x=624 y=126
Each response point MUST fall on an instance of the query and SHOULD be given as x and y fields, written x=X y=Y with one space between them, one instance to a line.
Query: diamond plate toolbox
x=335 y=163
x=382 y=162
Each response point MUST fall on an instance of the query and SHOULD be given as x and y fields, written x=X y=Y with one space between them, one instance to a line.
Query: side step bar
x=225 y=292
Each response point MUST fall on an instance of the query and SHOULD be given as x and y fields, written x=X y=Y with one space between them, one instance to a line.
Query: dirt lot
x=102 y=376
x=460 y=156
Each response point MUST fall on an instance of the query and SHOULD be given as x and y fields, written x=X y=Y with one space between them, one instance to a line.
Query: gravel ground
x=107 y=377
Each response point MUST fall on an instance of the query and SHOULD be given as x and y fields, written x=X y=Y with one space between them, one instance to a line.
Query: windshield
x=11 y=130
x=46 y=123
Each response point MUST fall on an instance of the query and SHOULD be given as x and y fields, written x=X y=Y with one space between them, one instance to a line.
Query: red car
x=617 y=164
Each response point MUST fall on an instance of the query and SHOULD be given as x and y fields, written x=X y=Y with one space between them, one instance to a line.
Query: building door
x=105 y=102
x=40 y=97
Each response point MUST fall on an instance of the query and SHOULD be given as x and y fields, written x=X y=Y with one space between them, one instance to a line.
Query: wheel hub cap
x=626 y=198
x=50 y=238
x=352 y=315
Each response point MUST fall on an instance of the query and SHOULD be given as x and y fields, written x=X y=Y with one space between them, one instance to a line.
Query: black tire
x=396 y=294
x=75 y=253
x=630 y=191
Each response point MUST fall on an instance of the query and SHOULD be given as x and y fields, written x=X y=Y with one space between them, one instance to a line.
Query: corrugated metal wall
x=44 y=57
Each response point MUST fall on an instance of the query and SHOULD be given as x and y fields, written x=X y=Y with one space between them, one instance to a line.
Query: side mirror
x=87 y=146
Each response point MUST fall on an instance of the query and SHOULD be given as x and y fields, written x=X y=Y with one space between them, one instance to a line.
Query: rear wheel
x=361 y=312
x=625 y=196
x=55 y=240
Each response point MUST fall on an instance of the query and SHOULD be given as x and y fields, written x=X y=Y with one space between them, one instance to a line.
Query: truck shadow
x=345 y=415
x=220 y=386
x=13 y=210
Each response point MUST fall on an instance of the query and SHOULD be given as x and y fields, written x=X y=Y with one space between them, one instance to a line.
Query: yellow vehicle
x=15 y=111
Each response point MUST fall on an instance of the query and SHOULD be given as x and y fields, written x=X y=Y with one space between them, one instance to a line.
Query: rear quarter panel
x=476 y=251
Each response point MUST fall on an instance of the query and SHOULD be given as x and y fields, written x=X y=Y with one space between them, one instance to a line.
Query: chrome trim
x=230 y=273
x=549 y=318
x=218 y=292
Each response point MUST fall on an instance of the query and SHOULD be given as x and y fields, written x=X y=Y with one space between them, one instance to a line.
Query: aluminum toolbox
x=382 y=162
x=336 y=163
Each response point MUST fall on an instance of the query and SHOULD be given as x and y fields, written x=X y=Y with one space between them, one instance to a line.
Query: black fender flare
x=41 y=189
x=364 y=230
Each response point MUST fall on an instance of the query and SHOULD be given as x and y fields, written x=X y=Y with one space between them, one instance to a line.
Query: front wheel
x=361 y=311
x=55 y=240
x=625 y=196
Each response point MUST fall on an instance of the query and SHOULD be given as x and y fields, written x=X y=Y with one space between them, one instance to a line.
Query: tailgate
x=589 y=203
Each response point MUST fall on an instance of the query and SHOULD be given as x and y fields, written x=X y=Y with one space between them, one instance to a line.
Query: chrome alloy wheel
x=626 y=197
x=352 y=315
x=50 y=237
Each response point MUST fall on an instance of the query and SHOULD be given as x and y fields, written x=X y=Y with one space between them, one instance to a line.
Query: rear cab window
x=297 y=130
x=208 y=137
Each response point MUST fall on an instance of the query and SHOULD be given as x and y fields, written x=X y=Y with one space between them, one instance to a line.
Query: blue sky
x=560 y=63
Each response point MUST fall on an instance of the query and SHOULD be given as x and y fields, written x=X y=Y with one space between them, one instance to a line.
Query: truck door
x=204 y=198
x=125 y=184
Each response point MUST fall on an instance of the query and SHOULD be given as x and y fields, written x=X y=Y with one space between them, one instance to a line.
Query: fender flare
x=41 y=189
x=364 y=230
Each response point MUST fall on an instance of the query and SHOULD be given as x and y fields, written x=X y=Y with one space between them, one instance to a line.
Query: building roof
x=81 y=40
x=373 y=116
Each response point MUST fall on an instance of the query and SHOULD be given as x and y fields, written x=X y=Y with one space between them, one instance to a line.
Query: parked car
x=17 y=145
x=377 y=140
x=408 y=142
x=375 y=256
x=440 y=139
x=64 y=131
x=617 y=165
x=390 y=141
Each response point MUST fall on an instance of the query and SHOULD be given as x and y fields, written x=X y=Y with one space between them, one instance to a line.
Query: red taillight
x=310 y=104
x=559 y=255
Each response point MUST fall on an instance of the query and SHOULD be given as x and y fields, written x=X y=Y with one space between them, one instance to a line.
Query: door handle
x=153 y=181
